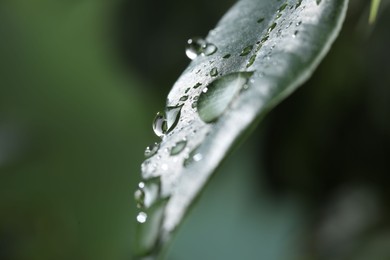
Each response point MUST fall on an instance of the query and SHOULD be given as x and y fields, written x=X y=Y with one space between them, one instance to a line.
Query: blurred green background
x=80 y=82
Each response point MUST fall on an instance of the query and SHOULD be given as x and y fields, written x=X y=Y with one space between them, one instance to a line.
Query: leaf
x=257 y=55
x=374 y=10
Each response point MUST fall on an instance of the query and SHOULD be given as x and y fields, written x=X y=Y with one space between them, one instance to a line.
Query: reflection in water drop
x=198 y=46
x=298 y=4
x=220 y=93
x=139 y=198
x=210 y=49
x=178 y=147
x=142 y=217
x=214 y=72
x=141 y=185
x=282 y=7
x=251 y=61
x=173 y=115
x=246 y=50
x=151 y=150
x=272 y=27
x=160 y=125
x=227 y=56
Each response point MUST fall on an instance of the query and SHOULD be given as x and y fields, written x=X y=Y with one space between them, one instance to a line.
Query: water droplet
x=264 y=39
x=151 y=191
x=197 y=85
x=251 y=61
x=220 y=93
x=183 y=98
x=178 y=147
x=141 y=185
x=246 y=50
x=186 y=91
x=282 y=7
x=272 y=27
x=195 y=98
x=210 y=49
x=194 y=105
x=139 y=197
x=160 y=124
x=173 y=115
x=298 y=4
x=151 y=150
x=193 y=156
x=227 y=56
x=214 y=72
x=142 y=217
x=278 y=15
x=295 y=33
x=298 y=23
x=198 y=46
x=260 y=20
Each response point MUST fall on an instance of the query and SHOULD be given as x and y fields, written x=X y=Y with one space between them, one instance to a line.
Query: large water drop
x=160 y=124
x=173 y=115
x=198 y=46
x=220 y=93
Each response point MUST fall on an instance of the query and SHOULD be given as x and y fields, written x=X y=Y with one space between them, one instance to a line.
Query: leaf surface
x=257 y=55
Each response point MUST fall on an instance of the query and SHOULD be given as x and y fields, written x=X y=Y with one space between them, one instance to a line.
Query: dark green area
x=80 y=82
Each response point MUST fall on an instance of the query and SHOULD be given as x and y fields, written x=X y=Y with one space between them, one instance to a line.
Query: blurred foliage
x=79 y=84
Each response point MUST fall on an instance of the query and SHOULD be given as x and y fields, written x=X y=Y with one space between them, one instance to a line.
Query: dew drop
x=298 y=23
x=186 y=91
x=183 y=98
x=178 y=147
x=139 y=197
x=295 y=33
x=198 y=46
x=260 y=20
x=251 y=61
x=264 y=39
x=173 y=115
x=246 y=50
x=282 y=7
x=193 y=156
x=214 y=72
x=210 y=49
x=160 y=124
x=197 y=85
x=298 y=4
x=272 y=27
x=278 y=15
x=142 y=217
x=227 y=56
x=151 y=150
x=220 y=93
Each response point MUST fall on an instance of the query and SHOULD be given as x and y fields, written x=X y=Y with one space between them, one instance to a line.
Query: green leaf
x=257 y=55
x=374 y=10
